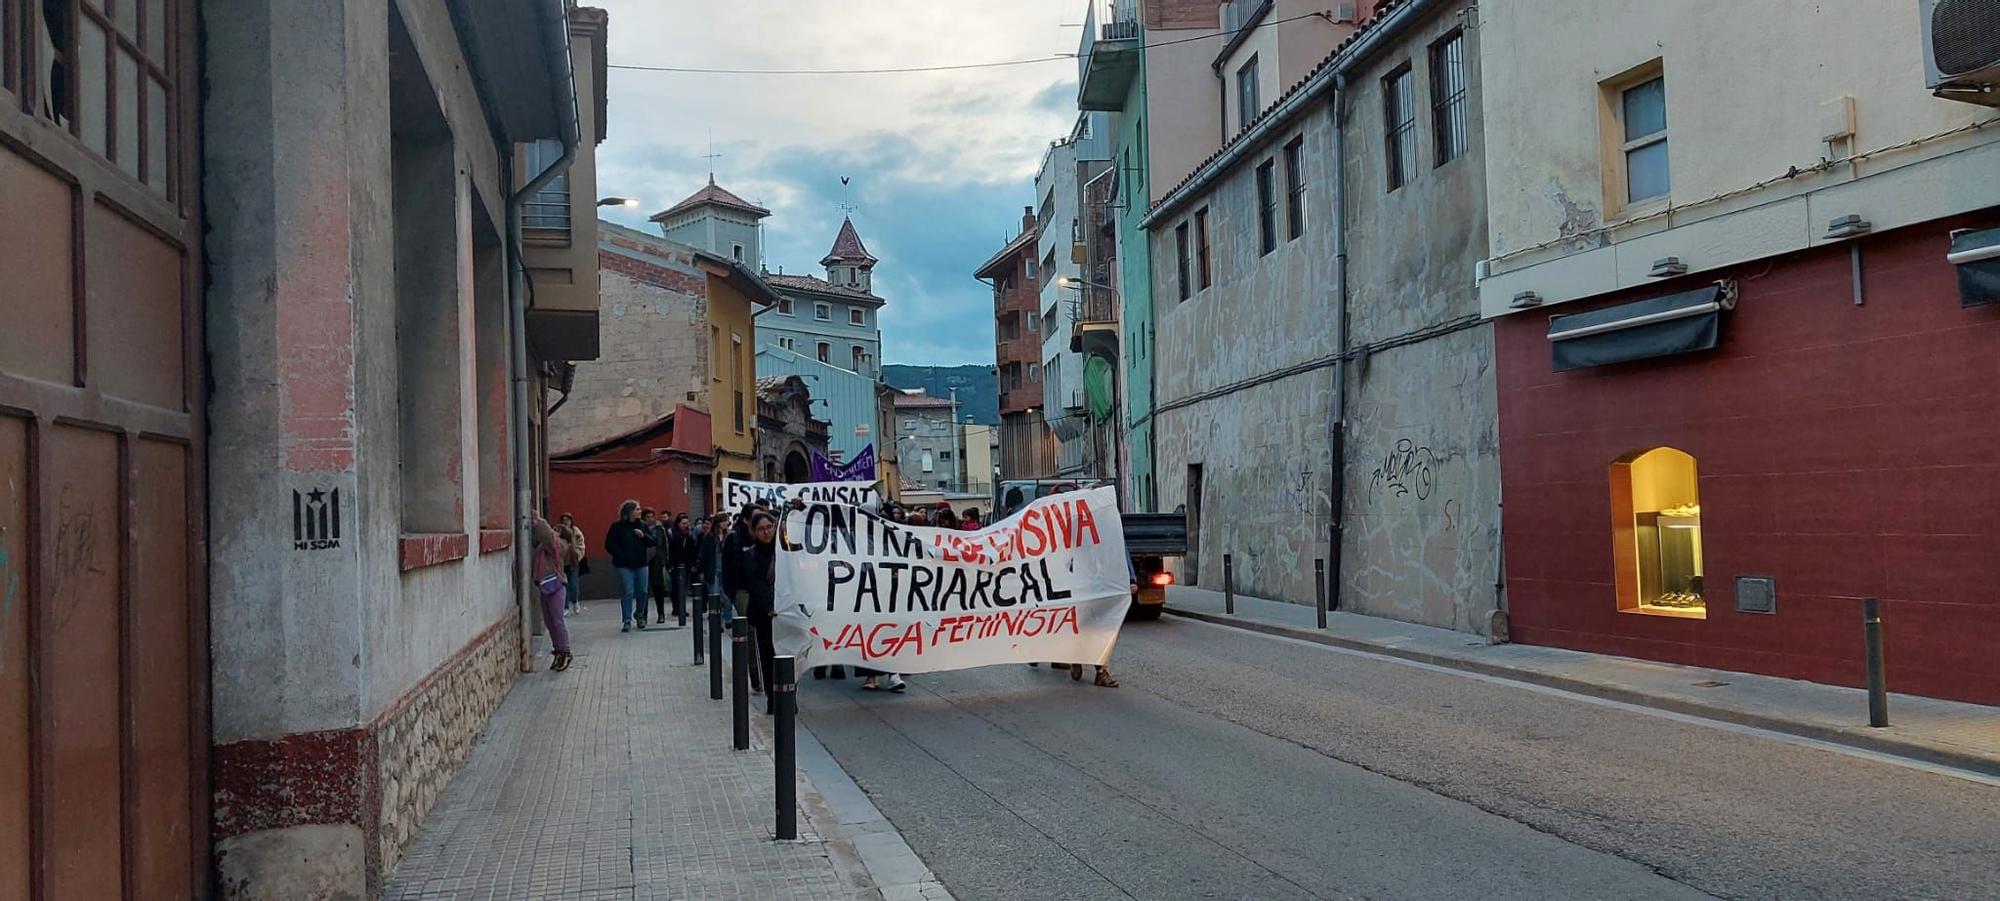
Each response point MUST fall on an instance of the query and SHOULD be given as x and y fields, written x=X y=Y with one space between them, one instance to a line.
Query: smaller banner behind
x=1048 y=584
x=737 y=492
x=859 y=469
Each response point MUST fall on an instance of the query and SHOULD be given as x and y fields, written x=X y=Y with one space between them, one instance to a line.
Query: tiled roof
x=715 y=194
x=1012 y=248
x=847 y=246
x=817 y=285
x=1255 y=128
x=920 y=401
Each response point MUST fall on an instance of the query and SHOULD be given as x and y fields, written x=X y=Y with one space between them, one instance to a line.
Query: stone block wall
x=421 y=741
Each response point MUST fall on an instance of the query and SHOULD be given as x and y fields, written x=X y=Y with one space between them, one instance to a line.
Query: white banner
x=737 y=492
x=1048 y=584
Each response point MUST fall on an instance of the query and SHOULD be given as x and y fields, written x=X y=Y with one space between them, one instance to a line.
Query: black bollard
x=700 y=614
x=681 y=603
x=739 y=664
x=784 y=692
x=715 y=653
x=1878 y=688
x=1319 y=588
x=1228 y=585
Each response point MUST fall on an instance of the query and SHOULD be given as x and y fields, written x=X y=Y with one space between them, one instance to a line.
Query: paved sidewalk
x=1945 y=732
x=616 y=780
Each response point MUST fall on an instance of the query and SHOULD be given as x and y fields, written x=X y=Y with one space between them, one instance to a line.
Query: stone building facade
x=653 y=354
x=1309 y=411
x=787 y=433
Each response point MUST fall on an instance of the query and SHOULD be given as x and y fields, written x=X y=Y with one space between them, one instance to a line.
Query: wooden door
x=103 y=615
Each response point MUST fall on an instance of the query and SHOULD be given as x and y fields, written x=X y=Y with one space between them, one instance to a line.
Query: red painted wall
x=1845 y=451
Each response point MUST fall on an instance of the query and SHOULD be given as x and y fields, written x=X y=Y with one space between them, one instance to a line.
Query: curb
x=1985 y=766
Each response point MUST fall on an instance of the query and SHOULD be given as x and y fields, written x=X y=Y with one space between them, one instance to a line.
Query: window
x=1267 y=207
x=1181 y=258
x=1656 y=534
x=929 y=463
x=548 y=210
x=944 y=456
x=825 y=352
x=736 y=252
x=1201 y=256
x=1643 y=114
x=1295 y=188
x=784 y=306
x=860 y=358
x=715 y=352
x=104 y=76
x=909 y=425
x=822 y=312
x=736 y=375
x=1399 y=116
x=856 y=317
x=1448 y=97
x=1246 y=93
x=1034 y=372
x=788 y=343
x=1029 y=266
x=1034 y=322
x=739 y=410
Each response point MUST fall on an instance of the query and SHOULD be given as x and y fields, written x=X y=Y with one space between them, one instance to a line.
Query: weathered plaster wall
x=1421 y=506
x=314 y=647
x=1244 y=375
x=653 y=343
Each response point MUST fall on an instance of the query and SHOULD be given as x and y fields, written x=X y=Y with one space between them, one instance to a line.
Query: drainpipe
x=1336 y=427
x=555 y=34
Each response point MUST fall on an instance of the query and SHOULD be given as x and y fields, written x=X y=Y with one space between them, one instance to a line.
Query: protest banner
x=861 y=468
x=737 y=492
x=1048 y=584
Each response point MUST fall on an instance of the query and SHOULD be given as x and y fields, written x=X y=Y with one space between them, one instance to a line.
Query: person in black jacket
x=626 y=541
x=706 y=577
x=757 y=574
x=679 y=552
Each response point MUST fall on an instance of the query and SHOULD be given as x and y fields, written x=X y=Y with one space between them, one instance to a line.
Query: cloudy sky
x=942 y=163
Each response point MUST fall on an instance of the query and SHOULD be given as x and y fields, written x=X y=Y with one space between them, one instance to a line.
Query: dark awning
x=1656 y=327
x=1976 y=254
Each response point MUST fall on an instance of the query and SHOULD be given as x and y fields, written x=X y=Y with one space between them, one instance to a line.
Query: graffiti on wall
x=1407 y=469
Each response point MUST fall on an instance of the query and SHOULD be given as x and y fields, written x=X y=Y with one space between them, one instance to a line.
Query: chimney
x=1027 y=219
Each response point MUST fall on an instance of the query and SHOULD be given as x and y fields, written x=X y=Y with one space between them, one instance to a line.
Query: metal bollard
x=739 y=664
x=715 y=653
x=1228 y=585
x=700 y=614
x=1319 y=588
x=785 y=694
x=681 y=596
x=1878 y=688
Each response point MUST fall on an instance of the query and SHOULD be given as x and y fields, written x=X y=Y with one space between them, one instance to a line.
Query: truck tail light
x=1163 y=579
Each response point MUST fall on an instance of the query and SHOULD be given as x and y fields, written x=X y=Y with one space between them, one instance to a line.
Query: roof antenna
x=711 y=156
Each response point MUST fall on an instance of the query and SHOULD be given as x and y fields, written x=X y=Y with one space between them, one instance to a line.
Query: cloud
x=941 y=162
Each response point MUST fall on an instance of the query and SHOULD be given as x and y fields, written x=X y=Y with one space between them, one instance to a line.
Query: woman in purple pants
x=549 y=582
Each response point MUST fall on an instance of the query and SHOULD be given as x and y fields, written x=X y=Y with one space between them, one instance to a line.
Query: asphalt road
x=1236 y=765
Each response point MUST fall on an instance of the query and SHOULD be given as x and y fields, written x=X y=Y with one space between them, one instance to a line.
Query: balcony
x=1108 y=58
x=1094 y=323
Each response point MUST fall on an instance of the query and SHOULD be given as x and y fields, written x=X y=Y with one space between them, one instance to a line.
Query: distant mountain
x=978 y=388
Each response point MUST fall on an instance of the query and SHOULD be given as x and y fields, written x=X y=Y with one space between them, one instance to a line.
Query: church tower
x=717 y=221
x=849 y=264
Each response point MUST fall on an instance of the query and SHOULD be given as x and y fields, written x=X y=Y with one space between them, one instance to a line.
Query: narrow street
x=1235 y=765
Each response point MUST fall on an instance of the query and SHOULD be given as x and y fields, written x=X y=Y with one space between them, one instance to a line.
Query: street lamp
x=1075 y=283
x=618 y=201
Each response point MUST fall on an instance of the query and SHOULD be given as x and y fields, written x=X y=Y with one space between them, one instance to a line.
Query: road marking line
x=1689 y=719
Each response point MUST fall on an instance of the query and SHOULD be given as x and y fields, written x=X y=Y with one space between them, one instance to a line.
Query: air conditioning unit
x=1962 y=49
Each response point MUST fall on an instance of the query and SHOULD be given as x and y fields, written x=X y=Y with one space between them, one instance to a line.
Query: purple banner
x=859 y=469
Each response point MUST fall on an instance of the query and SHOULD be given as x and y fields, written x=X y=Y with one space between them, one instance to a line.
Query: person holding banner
x=626 y=541
x=757 y=577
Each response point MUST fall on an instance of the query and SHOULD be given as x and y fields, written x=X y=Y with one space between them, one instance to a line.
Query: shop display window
x=1656 y=534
